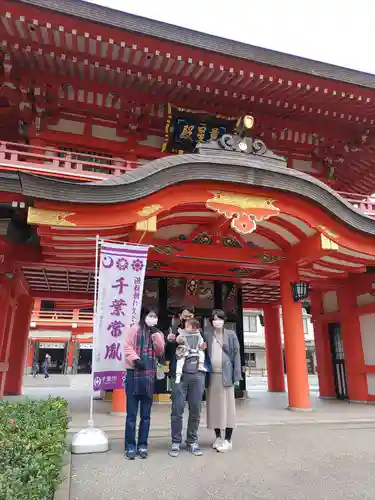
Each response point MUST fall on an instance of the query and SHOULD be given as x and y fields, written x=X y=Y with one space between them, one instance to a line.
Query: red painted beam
x=288 y=226
x=177 y=249
x=6 y=197
x=16 y=252
x=102 y=145
x=207 y=276
x=341 y=267
x=326 y=129
x=308 y=250
x=63 y=296
x=171 y=79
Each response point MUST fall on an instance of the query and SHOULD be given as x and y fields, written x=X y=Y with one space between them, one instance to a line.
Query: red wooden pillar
x=4 y=306
x=322 y=348
x=352 y=342
x=71 y=352
x=294 y=340
x=274 y=349
x=118 y=402
x=18 y=345
x=36 y=308
x=30 y=354
x=7 y=308
x=37 y=141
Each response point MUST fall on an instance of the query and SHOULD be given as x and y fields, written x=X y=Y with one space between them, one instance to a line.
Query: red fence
x=72 y=319
x=362 y=202
x=61 y=163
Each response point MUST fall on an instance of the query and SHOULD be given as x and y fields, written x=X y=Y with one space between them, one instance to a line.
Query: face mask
x=218 y=323
x=151 y=321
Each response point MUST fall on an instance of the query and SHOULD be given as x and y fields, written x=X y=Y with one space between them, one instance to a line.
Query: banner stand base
x=90 y=440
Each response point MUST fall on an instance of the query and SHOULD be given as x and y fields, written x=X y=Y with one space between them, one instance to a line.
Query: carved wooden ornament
x=245 y=211
x=49 y=217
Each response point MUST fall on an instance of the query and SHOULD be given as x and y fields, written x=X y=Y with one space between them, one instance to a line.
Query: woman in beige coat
x=224 y=354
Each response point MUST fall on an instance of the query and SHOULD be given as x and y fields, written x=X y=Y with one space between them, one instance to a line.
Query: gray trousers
x=191 y=388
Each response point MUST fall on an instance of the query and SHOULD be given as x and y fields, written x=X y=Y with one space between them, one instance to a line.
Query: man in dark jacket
x=186 y=312
x=195 y=381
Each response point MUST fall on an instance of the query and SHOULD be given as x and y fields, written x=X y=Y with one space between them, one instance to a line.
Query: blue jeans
x=132 y=403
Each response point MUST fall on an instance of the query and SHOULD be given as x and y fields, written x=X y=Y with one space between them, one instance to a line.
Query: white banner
x=121 y=277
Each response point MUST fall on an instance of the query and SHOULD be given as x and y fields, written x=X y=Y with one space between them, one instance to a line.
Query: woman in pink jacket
x=144 y=343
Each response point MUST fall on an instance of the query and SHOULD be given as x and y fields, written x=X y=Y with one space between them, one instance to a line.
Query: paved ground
x=261 y=408
x=324 y=454
x=332 y=462
x=78 y=382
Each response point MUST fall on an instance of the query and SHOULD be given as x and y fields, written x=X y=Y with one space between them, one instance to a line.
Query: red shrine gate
x=87 y=100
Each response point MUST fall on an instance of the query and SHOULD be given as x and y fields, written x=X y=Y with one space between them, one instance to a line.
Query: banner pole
x=91 y=439
x=96 y=284
x=125 y=243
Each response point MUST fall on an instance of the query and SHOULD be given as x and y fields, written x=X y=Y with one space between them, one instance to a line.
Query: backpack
x=192 y=341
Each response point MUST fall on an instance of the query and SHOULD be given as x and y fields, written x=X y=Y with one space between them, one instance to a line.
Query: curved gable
x=255 y=171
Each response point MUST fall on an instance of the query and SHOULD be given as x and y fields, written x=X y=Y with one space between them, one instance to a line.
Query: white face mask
x=151 y=321
x=218 y=323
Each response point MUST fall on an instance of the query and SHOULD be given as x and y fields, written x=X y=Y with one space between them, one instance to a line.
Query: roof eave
x=157 y=29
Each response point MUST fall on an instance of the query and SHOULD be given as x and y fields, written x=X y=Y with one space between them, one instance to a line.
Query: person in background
x=144 y=343
x=186 y=312
x=46 y=365
x=224 y=353
x=35 y=368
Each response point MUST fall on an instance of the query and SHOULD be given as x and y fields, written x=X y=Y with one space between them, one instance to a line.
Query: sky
x=334 y=31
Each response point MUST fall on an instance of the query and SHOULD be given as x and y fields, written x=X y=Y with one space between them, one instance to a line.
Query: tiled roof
x=171 y=170
x=184 y=36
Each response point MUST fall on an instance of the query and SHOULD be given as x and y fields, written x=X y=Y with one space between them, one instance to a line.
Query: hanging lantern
x=300 y=291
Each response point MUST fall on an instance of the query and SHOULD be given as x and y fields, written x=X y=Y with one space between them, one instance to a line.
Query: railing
x=360 y=201
x=72 y=319
x=88 y=167
x=61 y=163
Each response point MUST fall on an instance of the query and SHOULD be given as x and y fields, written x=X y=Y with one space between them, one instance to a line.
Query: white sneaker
x=225 y=446
x=218 y=442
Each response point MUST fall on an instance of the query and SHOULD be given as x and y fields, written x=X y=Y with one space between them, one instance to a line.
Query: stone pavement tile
x=262 y=409
x=52 y=381
x=273 y=463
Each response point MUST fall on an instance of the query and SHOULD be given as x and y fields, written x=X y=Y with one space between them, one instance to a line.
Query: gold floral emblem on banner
x=49 y=217
x=245 y=211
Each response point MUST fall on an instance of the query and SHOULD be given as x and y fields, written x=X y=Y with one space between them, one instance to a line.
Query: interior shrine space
x=248 y=172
